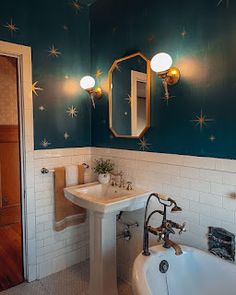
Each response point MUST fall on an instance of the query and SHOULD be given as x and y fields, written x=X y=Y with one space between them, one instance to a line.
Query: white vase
x=104 y=178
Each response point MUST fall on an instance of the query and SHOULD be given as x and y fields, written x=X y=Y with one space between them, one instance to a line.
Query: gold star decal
x=221 y=1
x=143 y=144
x=42 y=108
x=11 y=27
x=35 y=88
x=98 y=73
x=53 y=51
x=212 y=138
x=72 y=112
x=183 y=33
x=66 y=135
x=76 y=5
x=202 y=120
x=44 y=143
x=128 y=98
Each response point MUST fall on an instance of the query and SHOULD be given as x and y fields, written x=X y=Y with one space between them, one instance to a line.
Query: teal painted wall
x=41 y=25
x=200 y=37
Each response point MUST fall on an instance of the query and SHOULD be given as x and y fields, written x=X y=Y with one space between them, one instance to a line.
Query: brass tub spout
x=175 y=246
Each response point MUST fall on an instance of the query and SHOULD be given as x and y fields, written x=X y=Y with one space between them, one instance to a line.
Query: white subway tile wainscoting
x=56 y=251
x=203 y=187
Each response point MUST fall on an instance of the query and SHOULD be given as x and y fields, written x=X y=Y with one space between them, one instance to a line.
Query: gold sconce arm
x=88 y=83
x=170 y=77
x=95 y=94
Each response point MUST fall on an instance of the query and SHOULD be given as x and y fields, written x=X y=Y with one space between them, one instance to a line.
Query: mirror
x=129 y=96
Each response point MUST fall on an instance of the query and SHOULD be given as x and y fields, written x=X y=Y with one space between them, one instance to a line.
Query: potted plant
x=103 y=168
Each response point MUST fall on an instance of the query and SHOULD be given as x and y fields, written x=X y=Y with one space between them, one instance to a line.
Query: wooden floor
x=11 y=266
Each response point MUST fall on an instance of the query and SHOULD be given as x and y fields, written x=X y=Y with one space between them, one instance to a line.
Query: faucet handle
x=129 y=186
x=169 y=228
x=113 y=182
x=182 y=228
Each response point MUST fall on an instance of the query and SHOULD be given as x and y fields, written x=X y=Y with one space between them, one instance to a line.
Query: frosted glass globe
x=161 y=62
x=87 y=82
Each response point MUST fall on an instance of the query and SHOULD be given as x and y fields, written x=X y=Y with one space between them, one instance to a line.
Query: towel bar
x=46 y=171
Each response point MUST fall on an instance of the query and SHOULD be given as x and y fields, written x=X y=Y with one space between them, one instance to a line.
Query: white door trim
x=135 y=77
x=23 y=55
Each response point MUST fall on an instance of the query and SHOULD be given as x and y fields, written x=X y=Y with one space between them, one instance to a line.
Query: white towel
x=72 y=175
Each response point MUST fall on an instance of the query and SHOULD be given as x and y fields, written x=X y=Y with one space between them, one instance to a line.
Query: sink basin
x=103 y=203
x=106 y=198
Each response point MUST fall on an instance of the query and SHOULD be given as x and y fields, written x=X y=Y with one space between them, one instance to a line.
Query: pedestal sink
x=104 y=202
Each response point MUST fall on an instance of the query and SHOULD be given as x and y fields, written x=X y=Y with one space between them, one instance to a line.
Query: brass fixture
x=176 y=247
x=165 y=229
x=129 y=109
x=88 y=84
x=46 y=171
x=161 y=63
x=129 y=186
x=121 y=183
x=96 y=92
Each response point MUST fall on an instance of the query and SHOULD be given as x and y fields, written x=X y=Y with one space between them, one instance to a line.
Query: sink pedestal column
x=103 y=278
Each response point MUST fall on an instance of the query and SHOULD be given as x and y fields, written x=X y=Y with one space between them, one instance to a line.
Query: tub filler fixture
x=165 y=229
x=195 y=272
x=185 y=271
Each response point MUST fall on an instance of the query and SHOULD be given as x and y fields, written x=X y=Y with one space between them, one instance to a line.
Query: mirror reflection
x=129 y=96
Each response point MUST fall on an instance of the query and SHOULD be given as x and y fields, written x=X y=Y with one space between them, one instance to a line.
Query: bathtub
x=195 y=272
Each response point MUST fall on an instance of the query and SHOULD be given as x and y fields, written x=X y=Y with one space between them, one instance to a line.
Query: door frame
x=24 y=67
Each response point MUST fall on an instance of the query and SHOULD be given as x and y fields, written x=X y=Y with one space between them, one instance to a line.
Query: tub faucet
x=165 y=229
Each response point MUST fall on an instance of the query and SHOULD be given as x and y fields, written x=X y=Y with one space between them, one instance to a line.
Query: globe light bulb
x=161 y=62
x=87 y=82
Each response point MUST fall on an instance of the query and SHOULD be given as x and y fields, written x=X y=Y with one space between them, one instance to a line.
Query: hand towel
x=72 y=177
x=66 y=213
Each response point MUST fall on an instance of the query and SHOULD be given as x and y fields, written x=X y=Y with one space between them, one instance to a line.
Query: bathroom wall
x=58 y=32
x=54 y=251
x=205 y=188
x=182 y=159
x=202 y=45
x=202 y=186
x=199 y=35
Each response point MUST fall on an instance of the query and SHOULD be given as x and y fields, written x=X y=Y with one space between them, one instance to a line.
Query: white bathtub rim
x=141 y=264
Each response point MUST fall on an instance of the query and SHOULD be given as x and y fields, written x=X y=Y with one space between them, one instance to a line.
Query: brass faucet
x=121 y=179
x=176 y=247
x=165 y=229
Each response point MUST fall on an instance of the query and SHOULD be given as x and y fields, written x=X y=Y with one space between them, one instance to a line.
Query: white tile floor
x=72 y=281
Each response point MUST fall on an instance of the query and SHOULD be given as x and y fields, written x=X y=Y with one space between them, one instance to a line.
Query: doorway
x=11 y=241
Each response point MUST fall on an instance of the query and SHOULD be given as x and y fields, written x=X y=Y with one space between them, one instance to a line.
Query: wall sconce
x=161 y=64
x=88 y=84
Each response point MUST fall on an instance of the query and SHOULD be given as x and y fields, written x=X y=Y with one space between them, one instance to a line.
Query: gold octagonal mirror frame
x=115 y=66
